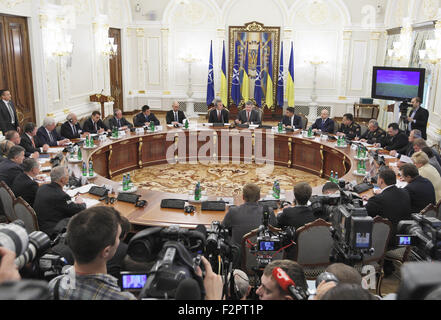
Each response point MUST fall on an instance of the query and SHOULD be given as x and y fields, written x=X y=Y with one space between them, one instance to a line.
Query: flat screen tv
x=399 y=84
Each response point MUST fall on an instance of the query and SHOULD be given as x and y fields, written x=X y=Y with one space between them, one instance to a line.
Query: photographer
x=271 y=290
x=93 y=236
x=418 y=117
x=248 y=216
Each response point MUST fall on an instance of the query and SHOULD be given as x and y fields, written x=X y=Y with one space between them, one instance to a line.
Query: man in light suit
x=48 y=135
x=248 y=115
x=324 y=123
x=8 y=114
x=175 y=116
x=219 y=115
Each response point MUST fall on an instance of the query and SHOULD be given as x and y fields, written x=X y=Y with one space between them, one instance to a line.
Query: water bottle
x=92 y=143
x=80 y=154
x=310 y=132
x=186 y=124
x=280 y=127
x=276 y=190
x=129 y=182
x=87 y=141
x=90 y=168
x=197 y=192
x=152 y=126
x=124 y=183
x=331 y=178
x=84 y=169
x=336 y=177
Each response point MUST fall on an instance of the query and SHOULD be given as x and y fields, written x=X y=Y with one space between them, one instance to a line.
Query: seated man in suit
x=349 y=128
x=24 y=184
x=94 y=124
x=373 y=135
x=421 y=190
x=52 y=204
x=5 y=146
x=145 y=117
x=420 y=143
x=407 y=150
x=301 y=214
x=71 y=129
x=247 y=217
x=248 y=115
x=175 y=116
x=119 y=121
x=15 y=138
x=432 y=158
x=391 y=202
x=219 y=114
x=426 y=170
x=324 y=124
x=290 y=120
x=418 y=117
x=395 y=139
x=11 y=167
x=29 y=140
x=48 y=135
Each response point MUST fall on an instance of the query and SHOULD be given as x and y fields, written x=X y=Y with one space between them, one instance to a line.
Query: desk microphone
x=287 y=284
x=188 y=289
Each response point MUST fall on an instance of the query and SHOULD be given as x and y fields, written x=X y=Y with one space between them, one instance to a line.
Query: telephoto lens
x=14 y=237
x=327 y=277
x=39 y=242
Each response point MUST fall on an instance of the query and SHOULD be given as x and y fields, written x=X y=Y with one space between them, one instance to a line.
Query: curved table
x=136 y=151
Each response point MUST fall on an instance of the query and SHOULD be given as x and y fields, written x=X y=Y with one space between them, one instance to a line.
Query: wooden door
x=15 y=65
x=116 y=84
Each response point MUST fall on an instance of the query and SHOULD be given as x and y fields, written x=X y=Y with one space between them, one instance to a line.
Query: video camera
x=423 y=233
x=404 y=107
x=269 y=243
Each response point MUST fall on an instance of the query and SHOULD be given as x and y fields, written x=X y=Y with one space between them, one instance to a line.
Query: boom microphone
x=287 y=284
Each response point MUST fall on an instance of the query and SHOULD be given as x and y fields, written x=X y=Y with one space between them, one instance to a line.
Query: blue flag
x=235 y=88
x=280 y=84
x=258 y=81
x=210 y=86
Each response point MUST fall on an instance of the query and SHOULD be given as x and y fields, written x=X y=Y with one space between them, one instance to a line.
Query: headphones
x=189 y=209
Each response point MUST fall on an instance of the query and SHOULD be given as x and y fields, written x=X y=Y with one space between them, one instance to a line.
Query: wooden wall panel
x=116 y=82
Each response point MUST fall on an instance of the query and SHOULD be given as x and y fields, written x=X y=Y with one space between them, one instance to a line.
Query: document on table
x=90 y=202
x=80 y=190
x=55 y=150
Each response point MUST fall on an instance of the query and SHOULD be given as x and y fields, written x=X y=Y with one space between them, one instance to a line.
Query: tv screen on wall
x=399 y=84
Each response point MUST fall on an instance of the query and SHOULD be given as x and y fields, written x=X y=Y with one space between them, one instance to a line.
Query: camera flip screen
x=133 y=281
x=266 y=246
x=362 y=240
x=404 y=240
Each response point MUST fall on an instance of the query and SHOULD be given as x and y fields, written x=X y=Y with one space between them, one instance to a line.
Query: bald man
x=175 y=116
x=324 y=123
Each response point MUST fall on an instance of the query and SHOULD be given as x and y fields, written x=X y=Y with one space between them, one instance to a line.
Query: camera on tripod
x=423 y=233
x=404 y=107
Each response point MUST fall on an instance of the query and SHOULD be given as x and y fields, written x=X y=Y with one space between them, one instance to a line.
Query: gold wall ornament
x=322 y=157
x=289 y=152
x=140 y=153
x=254 y=27
x=109 y=159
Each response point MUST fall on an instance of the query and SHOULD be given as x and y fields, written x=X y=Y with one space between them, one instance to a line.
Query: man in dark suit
x=71 y=129
x=420 y=143
x=11 y=167
x=219 y=114
x=94 y=124
x=145 y=117
x=24 y=184
x=324 y=124
x=395 y=139
x=290 y=120
x=29 y=140
x=52 y=204
x=119 y=121
x=47 y=134
x=15 y=138
x=301 y=214
x=407 y=150
x=374 y=134
x=418 y=117
x=421 y=190
x=8 y=114
x=349 y=128
x=248 y=115
x=391 y=203
x=241 y=220
x=175 y=116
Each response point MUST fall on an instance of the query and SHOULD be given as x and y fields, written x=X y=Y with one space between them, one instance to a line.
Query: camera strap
x=57 y=289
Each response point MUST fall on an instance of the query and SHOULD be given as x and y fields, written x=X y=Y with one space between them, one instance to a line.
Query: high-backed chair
x=25 y=213
x=82 y=120
x=336 y=126
x=314 y=247
x=259 y=110
x=248 y=259
x=364 y=128
x=106 y=121
x=431 y=210
x=7 y=199
x=58 y=128
x=304 y=121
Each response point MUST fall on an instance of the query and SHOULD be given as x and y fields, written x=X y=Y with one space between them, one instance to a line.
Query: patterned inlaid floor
x=218 y=180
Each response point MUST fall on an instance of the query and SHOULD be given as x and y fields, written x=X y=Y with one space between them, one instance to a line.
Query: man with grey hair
x=248 y=115
x=408 y=150
x=241 y=288
x=47 y=134
x=11 y=167
x=175 y=116
x=71 y=129
x=324 y=123
x=24 y=184
x=119 y=121
x=219 y=114
x=52 y=204
x=374 y=134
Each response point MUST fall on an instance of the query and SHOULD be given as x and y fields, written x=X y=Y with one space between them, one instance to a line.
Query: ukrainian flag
x=269 y=82
x=224 y=87
x=290 y=80
x=246 y=79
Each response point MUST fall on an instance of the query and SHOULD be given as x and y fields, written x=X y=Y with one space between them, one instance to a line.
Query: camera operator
x=344 y=291
x=269 y=289
x=248 y=216
x=418 y=117
x=93 y=236
x=8 y=269
x=391 y=203
x=213 y=283
x=330 y=188
x=242 y=286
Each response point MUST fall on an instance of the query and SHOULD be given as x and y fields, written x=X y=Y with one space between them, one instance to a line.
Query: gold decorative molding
x=254 y=27
x=109 y=159
x=347 y=35
x=289 y=152
x=307 y=142
x=140 y=32
x=322 y=157
x=140 y=153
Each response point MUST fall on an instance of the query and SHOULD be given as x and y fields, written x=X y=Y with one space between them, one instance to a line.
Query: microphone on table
x=287 y=284
x=188 y=289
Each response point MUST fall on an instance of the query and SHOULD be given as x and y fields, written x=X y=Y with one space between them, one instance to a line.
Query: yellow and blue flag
x=246 y=79
x=290 y=80
x=224 y=87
